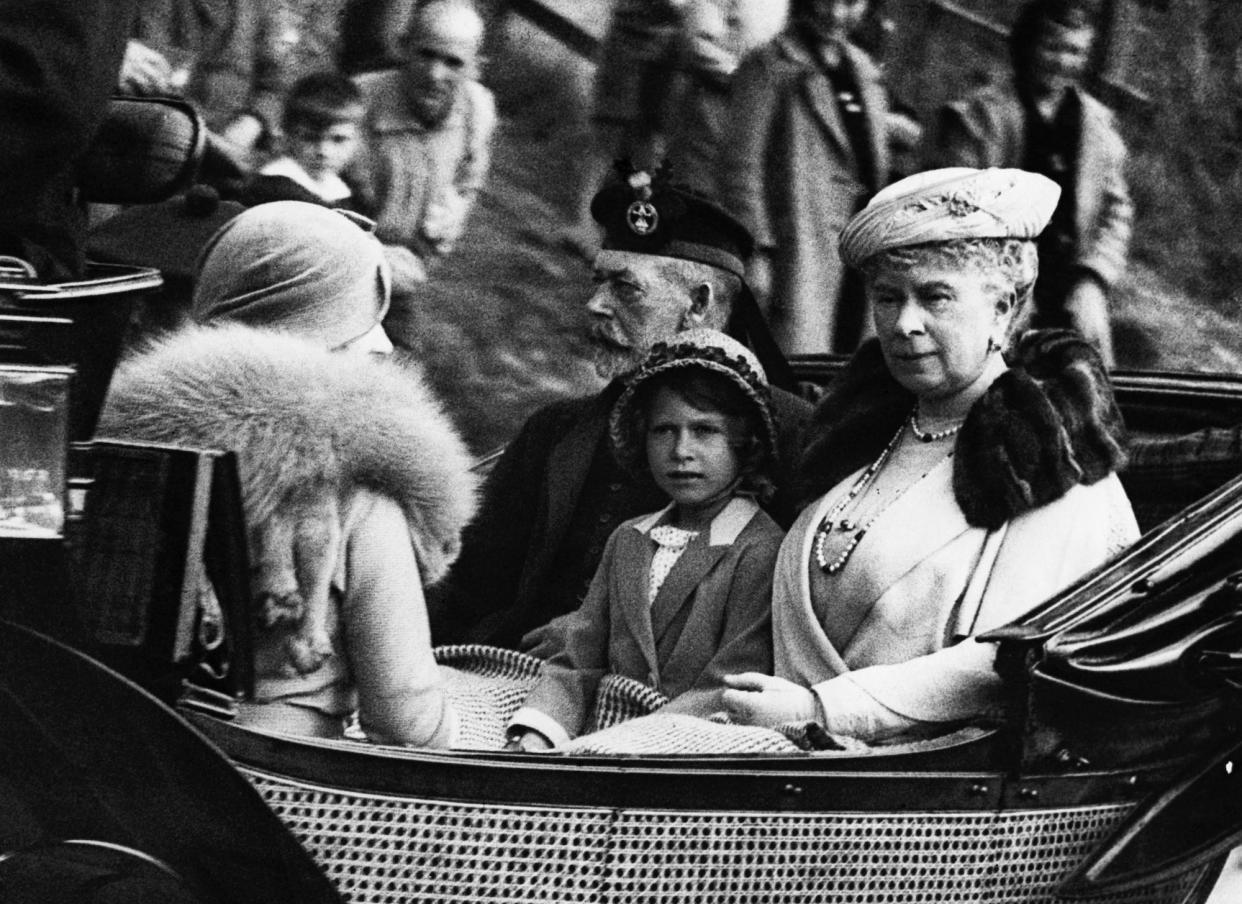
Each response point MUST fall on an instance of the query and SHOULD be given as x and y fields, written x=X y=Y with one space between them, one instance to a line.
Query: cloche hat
x=294 y=266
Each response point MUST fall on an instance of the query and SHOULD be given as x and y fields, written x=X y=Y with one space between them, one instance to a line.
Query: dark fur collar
x=1047 y=424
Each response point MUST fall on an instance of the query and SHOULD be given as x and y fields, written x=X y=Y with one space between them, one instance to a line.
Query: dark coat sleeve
x=981 y=130
x=495 y=547
x=569 y=679
x=792 y=414
x=59 y=62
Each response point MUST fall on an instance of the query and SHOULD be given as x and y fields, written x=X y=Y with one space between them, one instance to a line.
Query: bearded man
x=671 y=261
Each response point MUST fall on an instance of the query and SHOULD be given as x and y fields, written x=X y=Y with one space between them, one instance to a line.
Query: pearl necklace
x=833 y=520
x=926 y=437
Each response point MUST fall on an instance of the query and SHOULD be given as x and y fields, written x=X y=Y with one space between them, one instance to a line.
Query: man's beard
x=611 y=359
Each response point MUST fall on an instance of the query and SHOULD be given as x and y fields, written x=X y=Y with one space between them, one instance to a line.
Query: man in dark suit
x=1043 y=121
x=671 y=261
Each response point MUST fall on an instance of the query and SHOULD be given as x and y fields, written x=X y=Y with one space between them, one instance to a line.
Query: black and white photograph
x=620 y=451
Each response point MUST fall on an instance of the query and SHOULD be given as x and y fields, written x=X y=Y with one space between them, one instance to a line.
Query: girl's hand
x=756 y=699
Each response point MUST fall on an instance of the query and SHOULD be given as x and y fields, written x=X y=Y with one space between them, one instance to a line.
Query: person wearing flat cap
x=671 y=261
x=956 y=475
x=355 y=484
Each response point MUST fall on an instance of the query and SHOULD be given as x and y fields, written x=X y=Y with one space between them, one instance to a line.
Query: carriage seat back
x=1166 y=474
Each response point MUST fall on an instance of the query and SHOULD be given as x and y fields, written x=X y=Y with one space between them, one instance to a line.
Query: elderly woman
x=957 y=486
x=355 y=484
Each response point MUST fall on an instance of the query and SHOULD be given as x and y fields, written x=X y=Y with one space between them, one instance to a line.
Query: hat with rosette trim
x=945 y=205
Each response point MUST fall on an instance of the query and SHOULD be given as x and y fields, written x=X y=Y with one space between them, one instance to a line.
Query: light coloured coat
x=711 y=617
x=1028 y=501
x=904 y=654
x=788 y=172
x=423 y=179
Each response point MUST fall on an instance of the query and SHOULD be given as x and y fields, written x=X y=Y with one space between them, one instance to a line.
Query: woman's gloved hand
x=527 y=740
x=752 y=698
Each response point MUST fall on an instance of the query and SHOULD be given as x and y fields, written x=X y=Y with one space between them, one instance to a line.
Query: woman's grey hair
x=1013 y=262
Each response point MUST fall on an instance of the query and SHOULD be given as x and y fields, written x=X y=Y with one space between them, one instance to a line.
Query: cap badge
x=642 y=218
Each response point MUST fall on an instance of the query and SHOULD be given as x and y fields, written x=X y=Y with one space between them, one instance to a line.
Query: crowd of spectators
x=777 y=110
x=791 y=126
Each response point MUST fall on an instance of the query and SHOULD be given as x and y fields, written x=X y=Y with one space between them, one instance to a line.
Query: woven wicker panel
x=905 y=858
x=382 y=850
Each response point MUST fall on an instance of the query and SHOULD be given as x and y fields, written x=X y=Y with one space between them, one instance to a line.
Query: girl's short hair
x=704 y=390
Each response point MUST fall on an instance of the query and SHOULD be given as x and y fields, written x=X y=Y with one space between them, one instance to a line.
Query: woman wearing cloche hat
x=355 y=483
x=957 y=477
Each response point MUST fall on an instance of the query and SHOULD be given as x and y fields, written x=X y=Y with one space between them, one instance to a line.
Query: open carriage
x=1112 y=777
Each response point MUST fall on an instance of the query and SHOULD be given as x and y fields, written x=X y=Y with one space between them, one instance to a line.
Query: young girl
x=682 y=596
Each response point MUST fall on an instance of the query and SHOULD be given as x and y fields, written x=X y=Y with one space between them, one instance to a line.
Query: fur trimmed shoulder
x=1046 y=425
x=304 y=422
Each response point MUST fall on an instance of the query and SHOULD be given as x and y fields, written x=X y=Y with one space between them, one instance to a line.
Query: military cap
x=649 y=214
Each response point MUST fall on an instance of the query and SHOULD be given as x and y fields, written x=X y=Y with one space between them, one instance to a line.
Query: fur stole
x=1044 y=426
x=306 y=424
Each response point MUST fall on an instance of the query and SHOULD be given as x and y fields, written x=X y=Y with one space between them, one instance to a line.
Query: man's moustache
x=601 y=336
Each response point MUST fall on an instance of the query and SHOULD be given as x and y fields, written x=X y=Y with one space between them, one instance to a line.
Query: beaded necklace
x=928 y=437
x=833 y=519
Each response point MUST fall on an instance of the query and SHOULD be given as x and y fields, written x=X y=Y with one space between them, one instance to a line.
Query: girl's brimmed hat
x=948 y=204
x=705 y=349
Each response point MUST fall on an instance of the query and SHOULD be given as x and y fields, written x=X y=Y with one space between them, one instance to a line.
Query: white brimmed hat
x=948 y=204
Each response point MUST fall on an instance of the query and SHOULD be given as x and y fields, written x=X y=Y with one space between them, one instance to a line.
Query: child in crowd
x=682 y=596
x=323 y=126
